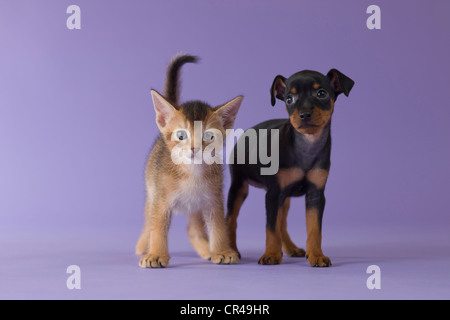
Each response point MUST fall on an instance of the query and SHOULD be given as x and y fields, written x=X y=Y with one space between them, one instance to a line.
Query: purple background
x=77 y=123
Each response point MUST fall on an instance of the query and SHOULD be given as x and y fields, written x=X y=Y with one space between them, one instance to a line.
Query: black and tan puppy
x=304 y=163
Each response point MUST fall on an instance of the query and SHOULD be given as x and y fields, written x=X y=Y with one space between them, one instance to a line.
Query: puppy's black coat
x=304 y=163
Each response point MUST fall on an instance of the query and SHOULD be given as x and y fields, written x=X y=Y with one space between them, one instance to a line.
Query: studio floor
x=413 y=266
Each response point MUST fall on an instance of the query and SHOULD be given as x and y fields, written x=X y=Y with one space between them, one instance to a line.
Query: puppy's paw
x=225 y=257
x=154 y=261
x=319 y=261
x=295 y=252
x=271 y=258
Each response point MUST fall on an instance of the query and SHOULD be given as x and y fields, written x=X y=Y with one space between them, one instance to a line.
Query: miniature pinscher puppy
x=304 y=163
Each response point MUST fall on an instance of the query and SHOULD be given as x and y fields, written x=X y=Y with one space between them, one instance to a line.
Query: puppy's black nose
x=305 y=115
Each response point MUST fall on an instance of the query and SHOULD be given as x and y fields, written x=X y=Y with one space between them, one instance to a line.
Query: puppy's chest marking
x=291 y=176
x=287 y=177
x=318 y=177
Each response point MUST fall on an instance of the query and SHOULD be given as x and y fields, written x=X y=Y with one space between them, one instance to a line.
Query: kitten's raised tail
x=171 y=89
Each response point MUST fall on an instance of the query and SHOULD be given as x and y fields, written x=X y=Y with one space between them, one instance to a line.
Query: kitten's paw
x=203 y=251
x=142 y=245
x=206 y=255
x=154 y=261
x=234 y=248
x=225 y=257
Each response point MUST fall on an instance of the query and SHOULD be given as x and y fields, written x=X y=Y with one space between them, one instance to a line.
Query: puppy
x=304 y=163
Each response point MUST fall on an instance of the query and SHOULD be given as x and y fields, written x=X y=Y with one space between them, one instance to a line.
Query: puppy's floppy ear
x=340 y=82
x=277 y=89
x=228 y=112
x=164 y=109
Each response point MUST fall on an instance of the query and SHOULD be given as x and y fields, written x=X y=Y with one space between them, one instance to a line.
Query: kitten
x=181 y=181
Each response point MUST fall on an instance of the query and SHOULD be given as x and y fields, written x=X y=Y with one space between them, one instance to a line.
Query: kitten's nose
x=195 y=150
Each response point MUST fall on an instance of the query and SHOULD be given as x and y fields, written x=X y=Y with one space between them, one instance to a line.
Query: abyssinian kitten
x=179 y=180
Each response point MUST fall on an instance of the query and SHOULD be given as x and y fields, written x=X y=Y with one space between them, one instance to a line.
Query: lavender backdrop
x=77 y=123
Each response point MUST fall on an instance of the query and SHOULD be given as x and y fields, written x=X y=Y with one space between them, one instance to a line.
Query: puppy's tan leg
x=273 y=254
x=314 y=253
x=288 y=246
x=219 y=243
x=158 y=256
x=315 y=205
x=142 y=246
x=198 y=236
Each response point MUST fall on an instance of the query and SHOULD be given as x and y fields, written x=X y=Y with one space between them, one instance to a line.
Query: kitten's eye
x=322 y=94
x=208 y=136
x=182 y=135
x=289 y=99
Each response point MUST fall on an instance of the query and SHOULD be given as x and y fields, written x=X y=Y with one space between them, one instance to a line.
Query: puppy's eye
x=322 y=94
x=182 y=135
x=208 y=136
x=290 y=100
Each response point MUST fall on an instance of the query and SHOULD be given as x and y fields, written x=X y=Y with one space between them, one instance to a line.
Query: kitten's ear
x=228 y=112
x=164 y=109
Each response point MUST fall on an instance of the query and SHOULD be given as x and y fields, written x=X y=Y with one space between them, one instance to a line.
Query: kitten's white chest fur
x=193 y=194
